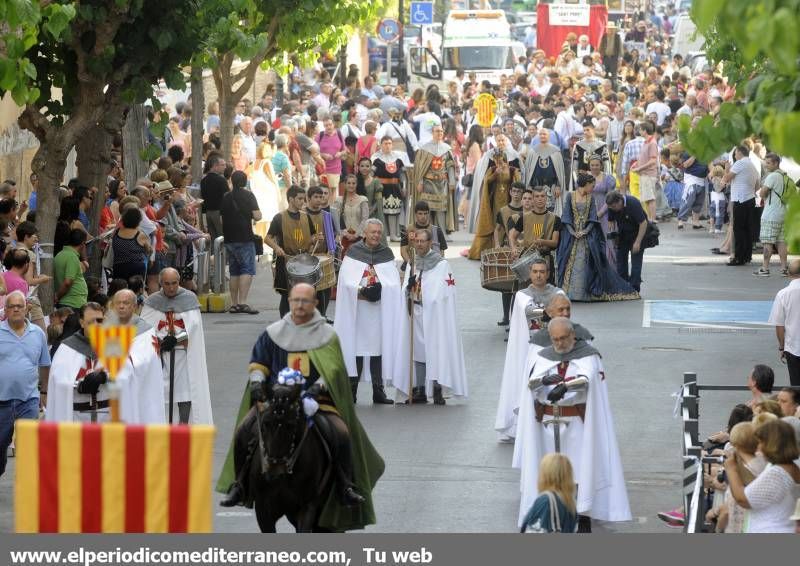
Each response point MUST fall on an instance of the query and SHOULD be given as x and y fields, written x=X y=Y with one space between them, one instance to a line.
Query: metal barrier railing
x=219 y=280
x=692 y=449
x=201 y=267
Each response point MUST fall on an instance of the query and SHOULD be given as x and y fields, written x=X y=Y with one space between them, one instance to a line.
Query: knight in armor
x=505 y=220
x=142 y=369
x=496 y=178
x=174 y=313
x=539 y=228
x=585 y=150
x=434 y=178
x=77 y=384
x=391 y=167
x=544 y=167
x=290 y=233
x=369 y=307
x=301 y=346
x=528 y=316
x=565 y=409
x=437 y=349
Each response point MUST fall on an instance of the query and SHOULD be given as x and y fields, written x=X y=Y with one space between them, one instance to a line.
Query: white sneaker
x=717 y=231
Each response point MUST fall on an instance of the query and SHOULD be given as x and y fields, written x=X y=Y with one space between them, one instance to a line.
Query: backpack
x=789 y=189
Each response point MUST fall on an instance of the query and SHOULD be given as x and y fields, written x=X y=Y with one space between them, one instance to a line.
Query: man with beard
x=494 y=174
x=301 y=345
x=540 y=229
x=174 y=312
x=437 y=350
x=369 y=304
x=565 y=408
x=528 y=317
x=434 y=179
x=544 y=167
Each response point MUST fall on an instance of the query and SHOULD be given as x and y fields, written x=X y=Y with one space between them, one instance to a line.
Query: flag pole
x=411 y=218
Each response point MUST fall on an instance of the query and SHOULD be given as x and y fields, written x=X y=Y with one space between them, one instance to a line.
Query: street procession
x=421 y=267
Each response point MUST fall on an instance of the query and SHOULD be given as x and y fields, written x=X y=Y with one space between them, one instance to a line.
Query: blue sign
x=389 y=30
x=421 y=13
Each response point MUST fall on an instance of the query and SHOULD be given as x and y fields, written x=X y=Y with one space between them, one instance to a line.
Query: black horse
x=291 y=473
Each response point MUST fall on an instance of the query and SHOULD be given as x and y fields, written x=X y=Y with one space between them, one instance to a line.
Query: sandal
x=246 y=309
x=235 y=309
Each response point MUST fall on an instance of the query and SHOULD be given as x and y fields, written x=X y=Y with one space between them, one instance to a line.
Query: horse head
x=282 y=427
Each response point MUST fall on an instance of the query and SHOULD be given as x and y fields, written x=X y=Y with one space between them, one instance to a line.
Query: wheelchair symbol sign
x=421 y=13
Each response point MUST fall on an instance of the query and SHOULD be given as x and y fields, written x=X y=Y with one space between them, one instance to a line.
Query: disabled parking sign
x=421 y=13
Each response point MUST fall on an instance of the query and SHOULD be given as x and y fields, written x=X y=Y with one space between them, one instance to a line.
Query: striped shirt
x=631 y=153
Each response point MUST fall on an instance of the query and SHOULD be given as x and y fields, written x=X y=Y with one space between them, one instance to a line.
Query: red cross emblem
x=178 y=322
x=450 y=281
x=87 y=369
x=437 y=163
x=391 y=167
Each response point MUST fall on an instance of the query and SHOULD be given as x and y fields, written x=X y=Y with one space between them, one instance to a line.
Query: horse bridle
x=290 y=459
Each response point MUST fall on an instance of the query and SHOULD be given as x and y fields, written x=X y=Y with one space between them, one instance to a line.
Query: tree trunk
x=94 y=160
x=198 y=112
x=48 y=163
x=134 y=139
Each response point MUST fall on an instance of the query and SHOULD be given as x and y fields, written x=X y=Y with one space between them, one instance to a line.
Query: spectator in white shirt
x=323 y=99
x=660 y=108
x=785 y=316
x=744 y=180
x=246 y=135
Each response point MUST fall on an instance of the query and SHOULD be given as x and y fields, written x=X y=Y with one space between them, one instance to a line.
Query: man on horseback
x=302 y=341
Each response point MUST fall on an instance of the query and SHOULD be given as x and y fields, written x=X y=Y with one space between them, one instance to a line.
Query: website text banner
x=378 y=550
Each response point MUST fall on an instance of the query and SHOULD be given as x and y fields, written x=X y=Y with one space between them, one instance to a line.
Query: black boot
x=584 y=524
x=418 y=395
x=354 y=388
x=376 y=372
x=338 y=442
x=438 y=399
x=234 y=497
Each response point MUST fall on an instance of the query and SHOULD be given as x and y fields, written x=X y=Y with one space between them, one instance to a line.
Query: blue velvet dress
x=584 y=272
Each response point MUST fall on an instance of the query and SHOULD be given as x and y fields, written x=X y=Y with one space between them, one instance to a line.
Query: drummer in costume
x=369 y=307
x=539 y=229
x=302 y=346
x=434 y=177
x=324 y=235
x=570 y=374
x=505 y=220
x=544 y=167
x=390 y=169
x=290 y=233
x=78 y=384
x=438 y=354
x=174 y=312
x=585 y=150
x=499 y=172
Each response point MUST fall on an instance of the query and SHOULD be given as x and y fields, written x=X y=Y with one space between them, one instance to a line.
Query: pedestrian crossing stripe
x=112 y=478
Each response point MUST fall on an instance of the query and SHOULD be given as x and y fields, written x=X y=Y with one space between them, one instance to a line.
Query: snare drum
x=496 y=274
x=328 y=273
x=303 y=268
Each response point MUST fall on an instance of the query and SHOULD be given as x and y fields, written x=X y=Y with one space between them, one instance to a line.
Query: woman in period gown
x=353 y=211
x=264 y=186
x=603 y=184
x=583 y=269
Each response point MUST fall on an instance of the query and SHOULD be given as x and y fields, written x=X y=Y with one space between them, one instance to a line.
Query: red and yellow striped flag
x=111 y=343
x=113 y=478
x=485 y=105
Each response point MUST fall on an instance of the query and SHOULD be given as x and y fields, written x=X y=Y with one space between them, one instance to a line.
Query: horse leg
x=265 y=518
x=307 y=518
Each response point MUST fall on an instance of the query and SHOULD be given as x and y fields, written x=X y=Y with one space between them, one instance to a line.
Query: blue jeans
x=717 y=211
x=241 y=258
x=10 y=411
x=635 y=275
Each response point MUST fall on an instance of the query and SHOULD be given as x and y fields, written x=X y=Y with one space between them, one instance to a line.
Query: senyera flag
x=111 y=344
x=113 y=478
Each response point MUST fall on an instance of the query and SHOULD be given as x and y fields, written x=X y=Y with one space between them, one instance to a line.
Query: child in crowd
x=718 y=204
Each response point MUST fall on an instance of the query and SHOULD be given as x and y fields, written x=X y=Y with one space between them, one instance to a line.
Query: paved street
x=446 y=472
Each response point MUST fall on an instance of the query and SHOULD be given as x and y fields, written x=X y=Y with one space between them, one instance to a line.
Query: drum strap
x=296 y=232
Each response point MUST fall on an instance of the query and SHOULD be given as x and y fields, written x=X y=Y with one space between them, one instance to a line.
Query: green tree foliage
x=758 y=45
x=259 y=32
